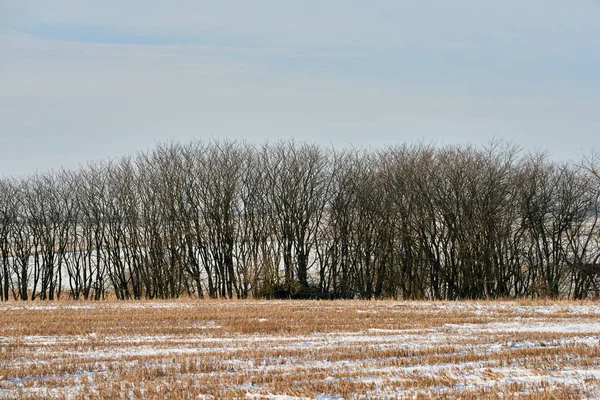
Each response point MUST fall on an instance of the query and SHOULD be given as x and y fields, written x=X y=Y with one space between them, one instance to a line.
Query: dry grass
x=300 y=349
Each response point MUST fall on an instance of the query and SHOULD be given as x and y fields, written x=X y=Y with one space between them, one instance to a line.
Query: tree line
x=229 y=219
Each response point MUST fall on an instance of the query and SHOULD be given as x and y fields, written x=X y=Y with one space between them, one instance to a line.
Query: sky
x=84 y=80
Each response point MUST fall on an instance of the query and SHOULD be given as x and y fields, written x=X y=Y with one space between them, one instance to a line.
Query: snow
x=554 y=327
x=506 y=329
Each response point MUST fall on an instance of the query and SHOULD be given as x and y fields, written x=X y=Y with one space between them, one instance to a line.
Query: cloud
x=385 y=23
x=64 y=103
x=83 y=80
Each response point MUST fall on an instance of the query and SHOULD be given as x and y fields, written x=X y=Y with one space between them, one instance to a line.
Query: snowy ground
x=284 y=350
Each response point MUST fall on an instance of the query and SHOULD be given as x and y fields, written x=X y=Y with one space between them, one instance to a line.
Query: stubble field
x=300 y=349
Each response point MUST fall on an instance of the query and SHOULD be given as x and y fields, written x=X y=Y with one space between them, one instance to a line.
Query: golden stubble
x=303 y=349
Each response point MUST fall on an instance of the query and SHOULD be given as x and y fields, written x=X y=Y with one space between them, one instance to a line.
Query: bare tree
x=8 y=223
x=295 y=220
x=298 y=185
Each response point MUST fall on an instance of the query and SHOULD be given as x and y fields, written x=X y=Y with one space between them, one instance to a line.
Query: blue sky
x=84 y=80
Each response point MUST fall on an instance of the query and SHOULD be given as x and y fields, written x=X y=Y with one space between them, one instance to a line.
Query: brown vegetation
x=302 y=349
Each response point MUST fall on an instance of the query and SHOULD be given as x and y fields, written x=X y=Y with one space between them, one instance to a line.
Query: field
x=300 y=349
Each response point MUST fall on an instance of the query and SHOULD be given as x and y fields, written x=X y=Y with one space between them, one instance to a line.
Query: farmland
x=300 y=349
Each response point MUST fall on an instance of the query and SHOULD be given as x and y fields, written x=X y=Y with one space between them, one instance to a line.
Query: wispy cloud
x=96 y=79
